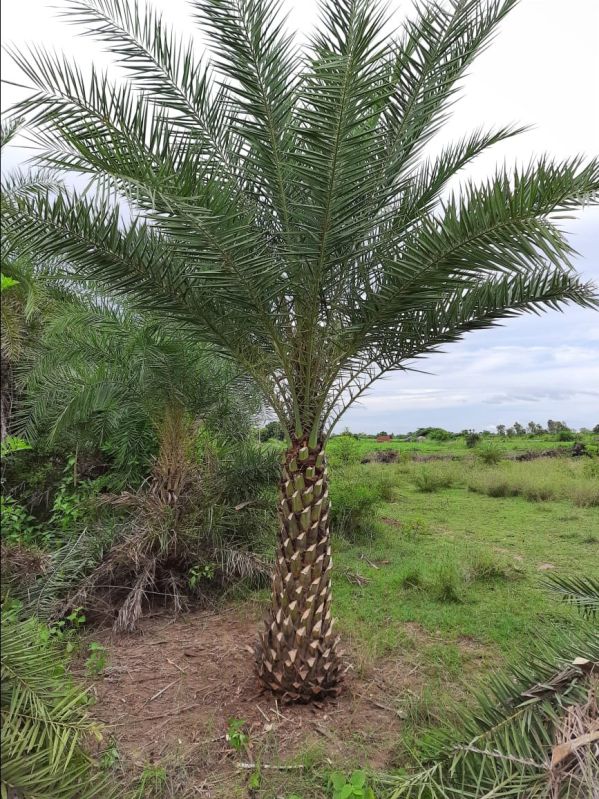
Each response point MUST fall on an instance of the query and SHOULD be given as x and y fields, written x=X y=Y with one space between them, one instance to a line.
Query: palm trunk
x=296 y=654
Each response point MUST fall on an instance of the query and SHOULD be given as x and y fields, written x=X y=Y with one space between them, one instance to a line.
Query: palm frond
x=517 y=739
x=579 y=590
x=277 y=204
x=44 y=721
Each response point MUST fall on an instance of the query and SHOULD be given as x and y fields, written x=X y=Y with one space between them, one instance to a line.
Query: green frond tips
x=579 y=590
x=44 y=721
x=532 y=731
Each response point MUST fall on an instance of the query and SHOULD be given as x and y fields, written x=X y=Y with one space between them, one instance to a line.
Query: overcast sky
x=542 y=70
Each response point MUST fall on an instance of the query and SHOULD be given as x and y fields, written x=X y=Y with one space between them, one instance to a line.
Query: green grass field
x=446 y=572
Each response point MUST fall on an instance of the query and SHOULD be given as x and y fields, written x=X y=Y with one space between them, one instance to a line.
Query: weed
x=18 y=526
x=354 y=501
x=198 y=573
x=447 y=584
x=538 y=492
x=236 y=737
x=152 y=782
x=96 y=662
x=356 y=787
x=110 y=756
x=586 y=495
x=415 y=529
x=64 y=631
x=483 y=566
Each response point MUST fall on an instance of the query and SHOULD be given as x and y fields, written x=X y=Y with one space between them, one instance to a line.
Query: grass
x=363 y=446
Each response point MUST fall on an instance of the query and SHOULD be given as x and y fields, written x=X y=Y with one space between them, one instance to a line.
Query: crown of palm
x=277 y=201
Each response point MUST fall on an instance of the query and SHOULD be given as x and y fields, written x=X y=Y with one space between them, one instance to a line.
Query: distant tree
x=436 y=433
x=510 y=432
x=519 y=430
x=500 y=429
x=272 y=430
x=383 y=433
x=596 y=429
x=556 y=427
x=535 y=429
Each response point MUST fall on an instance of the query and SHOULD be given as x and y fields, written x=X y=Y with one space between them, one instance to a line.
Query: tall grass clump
x=431 y=478
x=585 y=495
x=493 y=483
x=541 y=480
x=447 y=583
x=482 y=566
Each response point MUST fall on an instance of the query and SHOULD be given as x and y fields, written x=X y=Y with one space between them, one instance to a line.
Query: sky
x=540 y=70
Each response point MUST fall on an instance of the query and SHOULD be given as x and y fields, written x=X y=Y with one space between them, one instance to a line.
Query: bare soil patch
x=169 y=690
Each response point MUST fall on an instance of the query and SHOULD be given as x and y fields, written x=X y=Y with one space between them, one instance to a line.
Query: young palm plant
x=279 y=203
x=104 y=375
x=100 y=374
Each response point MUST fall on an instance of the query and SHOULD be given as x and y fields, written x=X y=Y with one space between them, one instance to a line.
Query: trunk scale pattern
x=296 y=655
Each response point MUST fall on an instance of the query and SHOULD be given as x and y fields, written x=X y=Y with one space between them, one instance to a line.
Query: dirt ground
x=168 y=692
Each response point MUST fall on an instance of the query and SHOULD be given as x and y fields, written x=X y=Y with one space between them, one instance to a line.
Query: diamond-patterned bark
x=296 y=654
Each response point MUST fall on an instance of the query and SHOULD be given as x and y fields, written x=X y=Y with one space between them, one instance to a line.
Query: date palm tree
x=279 y=202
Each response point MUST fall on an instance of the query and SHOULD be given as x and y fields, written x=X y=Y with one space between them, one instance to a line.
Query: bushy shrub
x=435 y=433
x=343 y=451
x=472 y=439
x=489 y=454
x=355 y=497
x=566 y=435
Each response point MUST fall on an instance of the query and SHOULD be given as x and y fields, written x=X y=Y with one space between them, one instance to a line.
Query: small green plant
x=12 y=444
x=236 y=736
x=7 y=282
x=416 y=528
x=96 y=662
x=152 y=782
x=356 y=787
x=198 y=573
x=64 y=631
x=255 y=779
x=18 y=526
